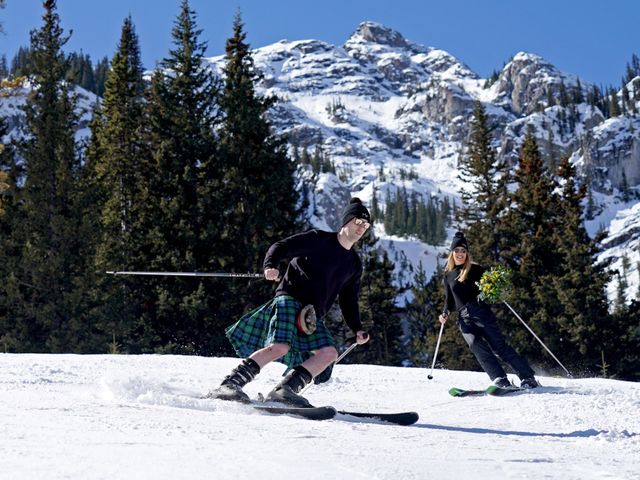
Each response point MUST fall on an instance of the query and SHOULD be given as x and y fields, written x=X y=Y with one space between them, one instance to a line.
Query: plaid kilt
x=275 y=322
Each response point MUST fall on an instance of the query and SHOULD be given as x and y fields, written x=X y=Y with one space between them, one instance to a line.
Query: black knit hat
x=355 y=209
x=459 y=241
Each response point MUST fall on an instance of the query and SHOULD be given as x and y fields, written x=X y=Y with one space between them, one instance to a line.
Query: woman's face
x=459 y=255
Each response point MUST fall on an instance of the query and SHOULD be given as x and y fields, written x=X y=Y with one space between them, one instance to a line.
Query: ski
x=312 y=413
x=500 y=391
x=459 y=392
x=321 y=413
x=493 y=390
x=400 y=418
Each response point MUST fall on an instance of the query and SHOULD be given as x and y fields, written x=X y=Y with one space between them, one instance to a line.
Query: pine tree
x=564 y=99
x=115 y=193
x=623 y=284
x=81 y=71
x=258 y=198
x=376 y=211
x=183 y=208
x=11 y=172
x=531 y=225
x=623 y=343
x=551 y=101
x=484 y=198
x=624 y=187
x=100 y=73
x=578 y=96
x=4 y=67
x=614 y=107
x=575 y=292
x=48 y=302
x=22 y=62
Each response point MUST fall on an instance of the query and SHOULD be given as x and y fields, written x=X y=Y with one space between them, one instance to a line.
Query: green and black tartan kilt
x=275 y=322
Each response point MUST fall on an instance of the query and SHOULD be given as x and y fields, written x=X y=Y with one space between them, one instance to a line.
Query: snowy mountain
x=393 y=114
x=141 y=417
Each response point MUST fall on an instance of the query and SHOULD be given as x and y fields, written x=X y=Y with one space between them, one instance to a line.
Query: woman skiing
x=476 y=321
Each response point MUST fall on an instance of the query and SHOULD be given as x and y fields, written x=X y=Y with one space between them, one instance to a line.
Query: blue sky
x=593 y=39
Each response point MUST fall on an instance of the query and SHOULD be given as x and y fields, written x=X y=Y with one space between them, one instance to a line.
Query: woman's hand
x=443 y=318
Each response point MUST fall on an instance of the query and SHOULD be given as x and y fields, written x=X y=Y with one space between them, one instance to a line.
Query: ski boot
x=231 y=386
x=287 y=391
x=529 y=382
x=502 y=382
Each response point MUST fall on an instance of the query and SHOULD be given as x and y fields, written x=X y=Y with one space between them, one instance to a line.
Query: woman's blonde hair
x=466 y=267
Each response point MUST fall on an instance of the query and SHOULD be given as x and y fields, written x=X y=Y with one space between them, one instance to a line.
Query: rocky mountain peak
x=525 y=81
x=373 y=32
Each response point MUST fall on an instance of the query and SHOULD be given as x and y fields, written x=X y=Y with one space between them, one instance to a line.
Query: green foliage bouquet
x=495 y=284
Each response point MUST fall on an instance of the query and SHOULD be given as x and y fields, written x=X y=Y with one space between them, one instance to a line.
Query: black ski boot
x=502 y=382
x=231 y=386
x=529 y=382
x=288 y=389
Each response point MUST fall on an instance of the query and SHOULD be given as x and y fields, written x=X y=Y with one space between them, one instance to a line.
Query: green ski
x=493 y=390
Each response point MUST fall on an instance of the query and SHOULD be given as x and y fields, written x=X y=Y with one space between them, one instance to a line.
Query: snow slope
x=139 y=417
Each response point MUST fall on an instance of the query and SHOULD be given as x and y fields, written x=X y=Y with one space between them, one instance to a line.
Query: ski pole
x=189 y=274
x=435 y=355
x=342 y=355
x=346 y=352
x=537 y=338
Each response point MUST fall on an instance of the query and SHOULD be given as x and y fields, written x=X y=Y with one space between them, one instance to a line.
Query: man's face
x=356 y=228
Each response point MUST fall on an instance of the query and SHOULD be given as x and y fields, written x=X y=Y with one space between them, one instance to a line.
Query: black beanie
x=459 y=241
x=355 y=209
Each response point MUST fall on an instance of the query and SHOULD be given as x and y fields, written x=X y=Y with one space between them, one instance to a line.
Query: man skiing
x=322 y=267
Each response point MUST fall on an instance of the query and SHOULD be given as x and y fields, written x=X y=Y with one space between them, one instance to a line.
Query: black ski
x=313 y=413
x=321 y=413
x=400 y=418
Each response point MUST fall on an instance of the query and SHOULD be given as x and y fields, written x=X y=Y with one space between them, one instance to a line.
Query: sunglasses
x=362 y=223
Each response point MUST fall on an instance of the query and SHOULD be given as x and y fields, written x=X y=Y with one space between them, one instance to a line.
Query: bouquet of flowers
x=494 y=284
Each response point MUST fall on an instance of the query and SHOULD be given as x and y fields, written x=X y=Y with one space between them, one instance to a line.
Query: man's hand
x=443 y=317
x=362 y=337
x=272 y=274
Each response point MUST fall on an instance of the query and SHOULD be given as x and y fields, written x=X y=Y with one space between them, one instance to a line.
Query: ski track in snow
x=141 y=417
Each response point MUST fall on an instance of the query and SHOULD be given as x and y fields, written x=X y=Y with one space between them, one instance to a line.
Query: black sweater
x=458 y=294
x=320 y=270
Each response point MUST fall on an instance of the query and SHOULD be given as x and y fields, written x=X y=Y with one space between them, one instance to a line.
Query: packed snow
x=141 y=417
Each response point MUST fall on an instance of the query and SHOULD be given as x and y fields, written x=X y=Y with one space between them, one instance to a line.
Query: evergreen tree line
x=408 y=215
x=319 y=161
x=610 y=101
x=531 y=220
x=181 y=173
x=80 y=69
